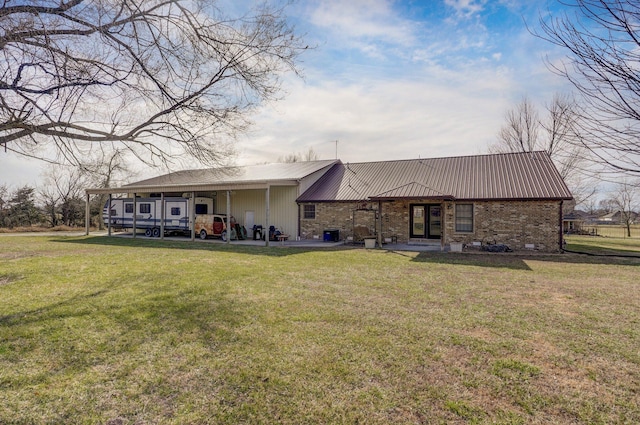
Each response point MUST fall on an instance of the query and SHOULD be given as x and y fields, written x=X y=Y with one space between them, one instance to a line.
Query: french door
x=426 y=221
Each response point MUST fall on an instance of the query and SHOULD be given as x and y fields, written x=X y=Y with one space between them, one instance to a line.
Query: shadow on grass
x=187 y=244
x=96 y=328
x=517 y=261
x=34 y=315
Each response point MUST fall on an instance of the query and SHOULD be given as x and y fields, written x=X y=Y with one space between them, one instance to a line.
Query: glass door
x=426 y=222
x=435 y=222
x=418 y=220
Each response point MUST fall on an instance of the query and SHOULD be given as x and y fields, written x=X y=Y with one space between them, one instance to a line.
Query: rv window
x=145 y=208
x=202 y=209
x=114 y=213
x=175 y=211
x=128 y=208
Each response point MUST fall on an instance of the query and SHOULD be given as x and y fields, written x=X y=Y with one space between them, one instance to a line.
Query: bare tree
x=625 y=200
x=603 y=57
x=520 y=131
x=309 y=155
x=157 y=78
x=556 y=133
x=62 y=195
x=106 y=170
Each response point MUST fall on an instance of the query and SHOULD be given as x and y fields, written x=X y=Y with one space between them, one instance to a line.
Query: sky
x=388 y=80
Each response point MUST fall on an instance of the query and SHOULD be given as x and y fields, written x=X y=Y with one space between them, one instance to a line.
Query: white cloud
x=442 y=114
x=466 y=8
x=361 y=23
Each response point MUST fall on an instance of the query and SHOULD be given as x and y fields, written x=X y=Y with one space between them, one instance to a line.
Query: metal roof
x=244 y=177
x=528 y=175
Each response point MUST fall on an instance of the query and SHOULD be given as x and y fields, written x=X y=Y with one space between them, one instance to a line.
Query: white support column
x=192 y=216
x=228 y=241
x=87 y=216
x=135 y=209
x=162 y=215
x=109 y=215
x=267 y=216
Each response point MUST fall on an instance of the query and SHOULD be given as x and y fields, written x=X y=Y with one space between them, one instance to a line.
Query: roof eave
x=248 y=185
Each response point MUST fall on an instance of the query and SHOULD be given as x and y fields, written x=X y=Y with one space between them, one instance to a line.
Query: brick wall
x=515 y=223
x=338 y=215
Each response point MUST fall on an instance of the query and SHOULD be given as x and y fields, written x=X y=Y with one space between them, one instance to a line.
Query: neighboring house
x=573 y=221
x=616 y=217
x=514 y=199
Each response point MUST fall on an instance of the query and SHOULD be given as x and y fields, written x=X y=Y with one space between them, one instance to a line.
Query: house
x=573 y=221
x=514 y=199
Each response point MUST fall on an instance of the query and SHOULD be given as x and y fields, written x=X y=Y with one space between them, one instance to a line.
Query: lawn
x=121 y=331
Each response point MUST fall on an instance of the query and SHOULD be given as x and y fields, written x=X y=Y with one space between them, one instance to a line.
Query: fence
x=611 y=231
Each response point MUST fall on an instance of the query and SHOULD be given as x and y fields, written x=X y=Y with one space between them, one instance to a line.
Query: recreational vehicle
x=149 y=215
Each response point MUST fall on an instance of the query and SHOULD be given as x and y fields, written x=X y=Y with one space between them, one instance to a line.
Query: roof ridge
x=449 y=157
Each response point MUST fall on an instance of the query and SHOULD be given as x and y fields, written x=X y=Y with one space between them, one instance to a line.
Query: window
x=464 y=217
x=175 y=211
x=128 y=208
x=145 y=208
x=309 y=212
x=114 y=212
x=202 y=209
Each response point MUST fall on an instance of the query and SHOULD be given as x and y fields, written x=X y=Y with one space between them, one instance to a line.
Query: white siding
x=283 y=208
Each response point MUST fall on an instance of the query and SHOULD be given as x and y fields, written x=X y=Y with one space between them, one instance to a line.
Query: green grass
x=122 y=331
x=603 y=245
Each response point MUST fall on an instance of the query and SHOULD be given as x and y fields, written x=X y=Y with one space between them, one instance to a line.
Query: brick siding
x=514 y=223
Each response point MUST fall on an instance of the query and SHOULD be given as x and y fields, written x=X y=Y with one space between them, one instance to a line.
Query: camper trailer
x=148 y=214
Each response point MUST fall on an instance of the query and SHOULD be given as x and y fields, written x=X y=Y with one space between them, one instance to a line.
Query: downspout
x=560 y=240
x=297 y=236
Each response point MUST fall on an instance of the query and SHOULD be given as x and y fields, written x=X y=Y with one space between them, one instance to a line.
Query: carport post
x=228 y=241
x=265 y=232
x=109 y=215
x=192 y=216
x=135 y=208
x=163 y=207
x=87 y=217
